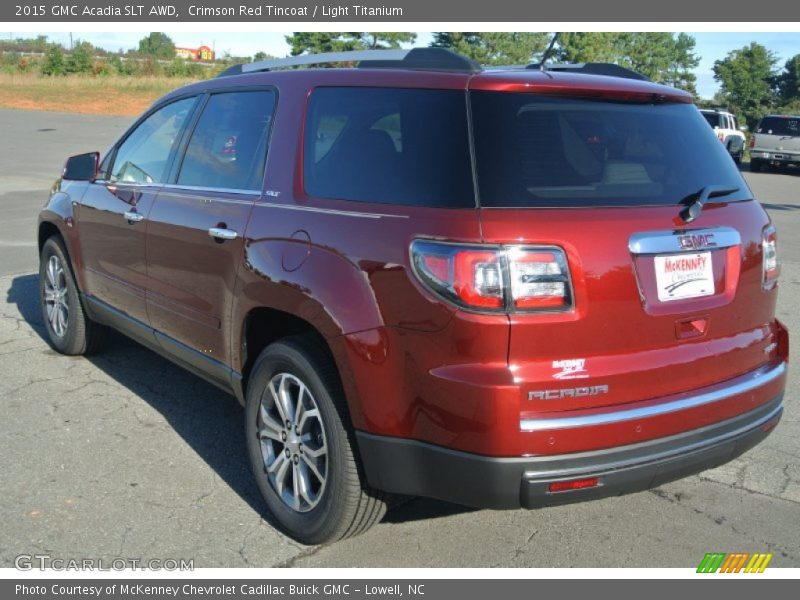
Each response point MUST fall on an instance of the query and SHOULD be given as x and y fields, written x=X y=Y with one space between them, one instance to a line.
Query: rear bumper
x=415 y=468
x=776 y=156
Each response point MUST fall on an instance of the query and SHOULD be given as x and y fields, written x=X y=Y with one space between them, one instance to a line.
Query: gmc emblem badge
x=695 y=242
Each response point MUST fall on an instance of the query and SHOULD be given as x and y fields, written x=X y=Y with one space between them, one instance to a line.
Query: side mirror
x=82 y=167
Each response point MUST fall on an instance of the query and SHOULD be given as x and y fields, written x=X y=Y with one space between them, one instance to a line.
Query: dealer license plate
x=680 y=276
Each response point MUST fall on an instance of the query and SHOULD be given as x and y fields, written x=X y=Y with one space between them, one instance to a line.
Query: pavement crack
x=292 y=562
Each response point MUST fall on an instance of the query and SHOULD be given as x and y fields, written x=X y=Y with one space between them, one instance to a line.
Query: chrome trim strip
x=657 y=456
x=659 y=242
x=740 y=385
x=332 y=211
x=200 y=188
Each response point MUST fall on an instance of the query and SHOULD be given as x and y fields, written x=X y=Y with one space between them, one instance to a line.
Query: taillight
x=769 y=250
x=495 y=278
x=721 y=137
x=752 y=141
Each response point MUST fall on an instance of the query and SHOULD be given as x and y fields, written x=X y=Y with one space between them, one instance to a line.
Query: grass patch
x=110 y=95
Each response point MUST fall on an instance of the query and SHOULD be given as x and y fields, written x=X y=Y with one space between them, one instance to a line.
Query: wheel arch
x=264 y=325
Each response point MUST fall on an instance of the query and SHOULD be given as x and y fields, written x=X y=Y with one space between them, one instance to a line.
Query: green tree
x=494 y=48
x=315 y=42
x=662 y=56
x=387 y=39
x=585 y=46
x=789 y=80
x=747 y=81
x=259 y=56
x=80 y=59
x=158 y=45
x=53 y=63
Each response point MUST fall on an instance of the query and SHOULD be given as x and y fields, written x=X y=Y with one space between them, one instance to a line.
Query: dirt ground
x=112 y=95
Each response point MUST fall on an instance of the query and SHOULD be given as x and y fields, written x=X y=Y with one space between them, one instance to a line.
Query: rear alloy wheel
x=301 y=445
x=69 y=330
x=293 y=444
x=56 y=302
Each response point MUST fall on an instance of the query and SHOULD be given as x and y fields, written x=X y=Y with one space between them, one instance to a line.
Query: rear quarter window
x=389 y=146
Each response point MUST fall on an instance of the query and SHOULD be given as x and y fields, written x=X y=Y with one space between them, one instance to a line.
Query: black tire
x=737 y=158
x=756 y=165
x=346 y=506
x=80 y=335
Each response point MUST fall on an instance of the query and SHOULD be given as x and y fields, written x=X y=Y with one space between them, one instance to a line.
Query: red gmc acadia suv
x=502 y=288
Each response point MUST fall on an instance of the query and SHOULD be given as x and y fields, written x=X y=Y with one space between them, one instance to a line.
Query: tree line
x=154 y=56
x=752 y=83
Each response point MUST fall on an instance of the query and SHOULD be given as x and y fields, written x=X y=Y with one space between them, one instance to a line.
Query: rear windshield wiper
x=694 y=202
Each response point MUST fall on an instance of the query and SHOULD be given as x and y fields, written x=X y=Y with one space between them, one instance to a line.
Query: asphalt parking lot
x=125 y=455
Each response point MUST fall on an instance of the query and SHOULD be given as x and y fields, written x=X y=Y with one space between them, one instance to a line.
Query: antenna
x=548 y=52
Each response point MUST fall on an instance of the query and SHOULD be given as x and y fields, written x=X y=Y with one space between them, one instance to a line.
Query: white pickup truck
x=727 y=129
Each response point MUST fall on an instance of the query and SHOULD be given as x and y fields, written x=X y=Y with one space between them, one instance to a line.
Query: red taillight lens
x=721 y=137
x=575 y=484
x=769 y=249
x=501 y=278
x=752 y=141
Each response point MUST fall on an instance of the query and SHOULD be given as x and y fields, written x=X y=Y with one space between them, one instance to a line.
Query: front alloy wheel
x=293 y=444
x=55 y=296
x=69 y=329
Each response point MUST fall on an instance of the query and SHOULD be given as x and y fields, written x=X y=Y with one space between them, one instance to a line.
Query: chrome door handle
x=222 y=234
x=133 y=217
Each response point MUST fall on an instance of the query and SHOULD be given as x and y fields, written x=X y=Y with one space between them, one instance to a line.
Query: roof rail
x=592 y=68
x=424 y=59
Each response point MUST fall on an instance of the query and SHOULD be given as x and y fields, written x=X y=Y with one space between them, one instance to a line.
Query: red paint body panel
x=412 y=365
x=192 y=277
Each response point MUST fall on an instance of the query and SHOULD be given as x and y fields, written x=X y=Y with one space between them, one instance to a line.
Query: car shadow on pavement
x=207 y=419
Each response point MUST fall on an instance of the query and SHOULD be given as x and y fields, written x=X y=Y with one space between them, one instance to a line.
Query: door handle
x=133 y=217
x=222 y=234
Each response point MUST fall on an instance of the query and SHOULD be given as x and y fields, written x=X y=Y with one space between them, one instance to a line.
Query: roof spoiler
x=592 y=68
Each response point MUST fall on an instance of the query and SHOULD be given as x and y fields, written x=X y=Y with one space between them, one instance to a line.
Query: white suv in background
x=727 y=129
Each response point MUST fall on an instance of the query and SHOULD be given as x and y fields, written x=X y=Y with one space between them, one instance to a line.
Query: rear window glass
x=712 y=118
x=228 y=146
x=543 y=151
x=779 y=126
x=388 y=145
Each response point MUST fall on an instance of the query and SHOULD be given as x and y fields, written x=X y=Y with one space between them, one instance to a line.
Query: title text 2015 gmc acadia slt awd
x=510 y=288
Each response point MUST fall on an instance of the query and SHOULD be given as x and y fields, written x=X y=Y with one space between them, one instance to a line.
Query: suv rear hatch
x=655 y=306
x=778 y=134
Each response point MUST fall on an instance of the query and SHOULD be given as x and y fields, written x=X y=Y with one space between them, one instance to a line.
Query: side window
x=228 y=146
x=389 y=146
x=142 y=157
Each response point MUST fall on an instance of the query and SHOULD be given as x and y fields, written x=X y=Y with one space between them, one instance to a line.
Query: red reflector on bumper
x=575 y=484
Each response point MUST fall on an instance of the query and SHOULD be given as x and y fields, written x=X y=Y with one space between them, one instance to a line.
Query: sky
x=710 y=46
